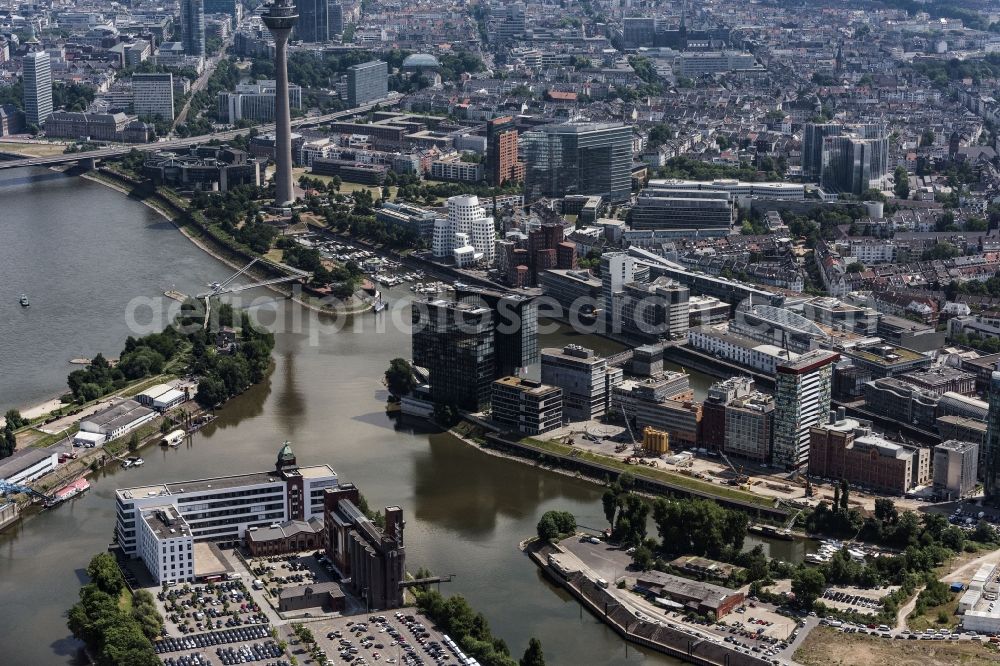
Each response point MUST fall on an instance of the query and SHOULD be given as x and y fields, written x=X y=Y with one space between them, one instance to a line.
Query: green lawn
x=651 y=472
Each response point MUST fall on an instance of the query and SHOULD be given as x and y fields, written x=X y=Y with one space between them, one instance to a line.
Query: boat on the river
x=23 y=300
x=67 y=493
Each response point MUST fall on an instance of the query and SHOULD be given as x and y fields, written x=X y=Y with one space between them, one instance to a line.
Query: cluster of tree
x=554 y=524
x=399 y=377
x=141 y=357
x=8 y=441
x=453 y=65
x=659 y=134
x=114 y=635
x=411 y=188
x=838 y=520
x=13 y=421
x=694 y=169
x=925 y=542
x=699 y=527
x=313 y=69
x=625 y=511
x=936 y=593
x=72 y=96
x=644 y=69
x=942 y=250
x=204 y=106
x=943 y=72
x=990 y=287
x=472 y=632
x=224 y=375
x=254 y=233
x=901 y=183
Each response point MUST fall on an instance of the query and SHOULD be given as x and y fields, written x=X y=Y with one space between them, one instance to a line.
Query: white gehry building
x=466 y=228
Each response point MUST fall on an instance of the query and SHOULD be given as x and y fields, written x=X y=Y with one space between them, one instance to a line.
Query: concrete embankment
x=652 y=635
x=647 y=484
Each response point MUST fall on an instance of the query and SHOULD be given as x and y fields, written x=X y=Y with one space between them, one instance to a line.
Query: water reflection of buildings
x=290 y=401
x=455 y=488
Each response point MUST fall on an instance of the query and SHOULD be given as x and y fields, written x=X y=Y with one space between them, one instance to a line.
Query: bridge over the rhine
x=90 y=158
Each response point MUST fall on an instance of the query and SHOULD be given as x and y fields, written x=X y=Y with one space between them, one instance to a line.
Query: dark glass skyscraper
x=313 y=23
x=193 y=27
x=991 y=475
x=335 y=18
x=515 y=326
x=454 y=341
x=586 y=158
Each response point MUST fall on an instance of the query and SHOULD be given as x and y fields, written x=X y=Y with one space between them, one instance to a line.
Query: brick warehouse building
x=373 y=559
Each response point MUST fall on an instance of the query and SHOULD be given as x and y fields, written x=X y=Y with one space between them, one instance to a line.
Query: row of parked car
x=248 y=654
x=243 y=634
x=852 y=599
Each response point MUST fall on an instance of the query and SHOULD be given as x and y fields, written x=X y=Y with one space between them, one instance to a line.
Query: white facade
x=37 y=88
x=716 y=341
x=153 y=95
x=467 y=225
x=166 y=545
x=223 y=508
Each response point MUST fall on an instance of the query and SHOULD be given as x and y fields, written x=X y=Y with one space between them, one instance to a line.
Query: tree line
x=114 y=635
x=471 y=631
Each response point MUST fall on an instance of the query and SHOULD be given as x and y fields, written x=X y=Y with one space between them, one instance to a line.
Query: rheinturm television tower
x=280 y=16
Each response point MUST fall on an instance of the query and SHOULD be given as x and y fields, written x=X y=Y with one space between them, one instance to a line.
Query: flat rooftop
x=208 y=560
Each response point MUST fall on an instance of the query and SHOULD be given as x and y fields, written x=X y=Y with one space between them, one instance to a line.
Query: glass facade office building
x=586 y=158
x=193 y=27
x=455 y=343
x=366 y=82
x=313 y=25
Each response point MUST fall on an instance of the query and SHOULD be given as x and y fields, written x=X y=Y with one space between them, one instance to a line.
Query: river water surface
x=82 y=252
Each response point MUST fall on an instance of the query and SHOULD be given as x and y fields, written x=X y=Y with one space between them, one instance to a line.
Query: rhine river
x=82 y=252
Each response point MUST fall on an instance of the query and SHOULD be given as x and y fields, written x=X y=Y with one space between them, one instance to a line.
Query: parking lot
x=188 y=609
x=866 y=602
x=402 y=637
x=760 y=621
x=278 y=572
x=244 y=645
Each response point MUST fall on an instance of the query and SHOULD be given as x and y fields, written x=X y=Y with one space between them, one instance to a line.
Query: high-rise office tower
x=515 y=326
x=230 y=8
x=335 y=18
x=991 y=474
x=802 y=390
x=846 y=158
x=37 y=88
x=501 y=151
x=617 y=270
x=455 y=342
x=193 y=27
x=280 y=17
x=813 y=135
x=584 y=158
x=856 y=161
x=153 y=95
x=314 y=24
x=366 y=82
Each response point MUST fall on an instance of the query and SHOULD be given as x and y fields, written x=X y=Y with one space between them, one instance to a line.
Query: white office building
x=153 y=95
x=166 y=545
x=467 y=225
x=37 y=88
x=223 y=508
x=255 y=101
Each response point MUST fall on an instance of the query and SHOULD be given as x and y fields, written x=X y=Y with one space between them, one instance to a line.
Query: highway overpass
x=92 y=157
